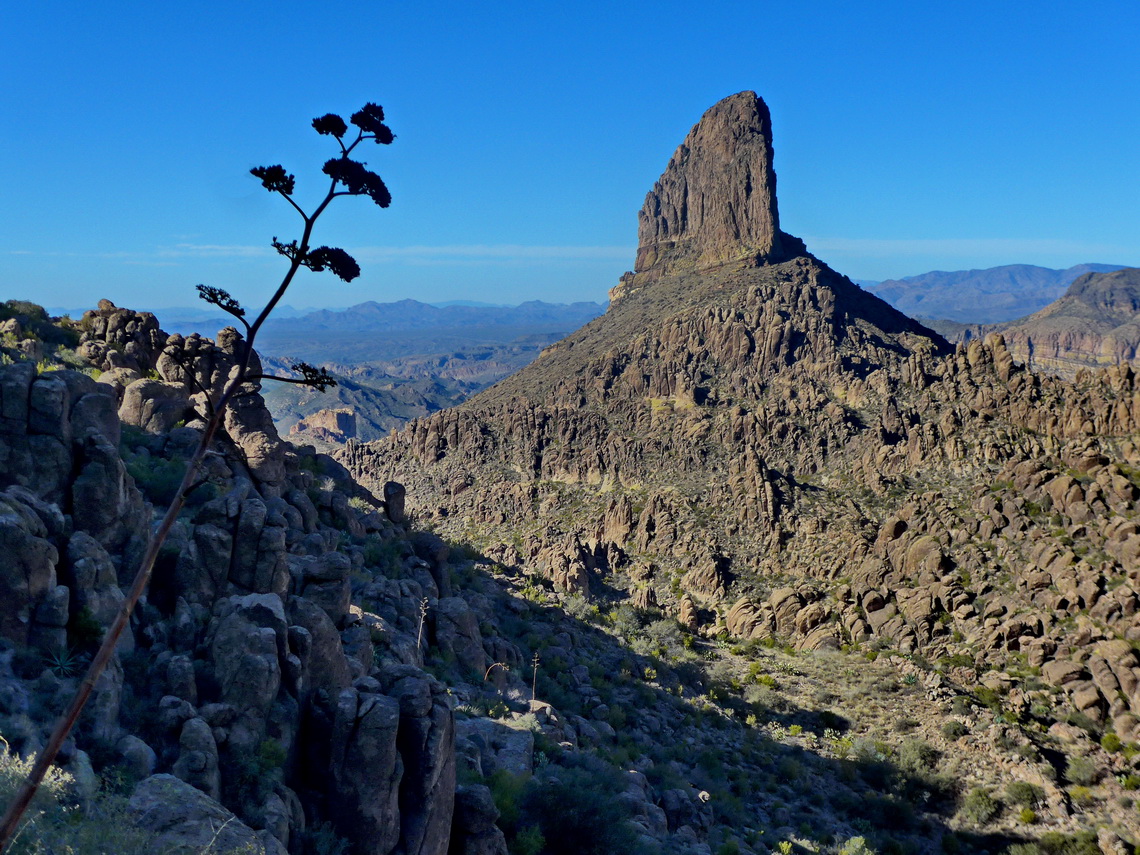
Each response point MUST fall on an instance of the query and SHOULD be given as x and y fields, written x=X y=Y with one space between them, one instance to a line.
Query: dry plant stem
x=66 y=722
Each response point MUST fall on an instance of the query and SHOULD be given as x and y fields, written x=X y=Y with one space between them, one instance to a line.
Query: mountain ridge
x=982 y=295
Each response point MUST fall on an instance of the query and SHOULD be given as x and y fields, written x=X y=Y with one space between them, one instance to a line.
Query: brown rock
x=716 y=200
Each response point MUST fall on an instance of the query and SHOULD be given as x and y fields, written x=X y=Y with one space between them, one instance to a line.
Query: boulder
x=186 y=821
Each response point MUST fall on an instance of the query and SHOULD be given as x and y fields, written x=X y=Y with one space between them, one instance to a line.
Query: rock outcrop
x=247 y=630
x=716 y=200
x=337 y=425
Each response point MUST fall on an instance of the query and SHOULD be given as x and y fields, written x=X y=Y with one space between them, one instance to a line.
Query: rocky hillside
x=1095 y=323
x=312 y=672
x=751 y=445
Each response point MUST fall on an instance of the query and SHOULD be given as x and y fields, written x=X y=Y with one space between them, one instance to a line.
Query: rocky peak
x=716 y=200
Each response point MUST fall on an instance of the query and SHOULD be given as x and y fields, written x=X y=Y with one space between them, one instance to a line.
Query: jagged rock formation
x=249 y=635
x=1095 y=323
x=769 y=451
x=121 y=339
x=716 y=201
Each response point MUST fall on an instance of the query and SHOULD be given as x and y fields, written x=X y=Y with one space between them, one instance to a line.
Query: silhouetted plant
x=347 y=177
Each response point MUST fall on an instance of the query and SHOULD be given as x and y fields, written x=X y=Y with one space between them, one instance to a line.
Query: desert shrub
x=954 y=729
x=57 y=823
x=915 y=755
x=581 y=608
x=988 y=697
x=1111 y=743
x=1027 y=815
x=528 y=841
x=1057 y=843
x=506 y=791
x=248 y=777
x=856 y=846
x=84 y=632
x=626 y=621
x=961 y=705
x=1081 y=794
x=978 y=806
x=667 y=639
x=160 y=477
x=1081 y=770
x=322 y=839
x=1023 y=793
x=384 y=554
x=578 y=812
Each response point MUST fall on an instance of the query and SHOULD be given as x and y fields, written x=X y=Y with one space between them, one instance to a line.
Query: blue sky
x=908 y=137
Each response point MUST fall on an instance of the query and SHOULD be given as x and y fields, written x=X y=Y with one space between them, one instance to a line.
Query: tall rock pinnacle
x=716 y=200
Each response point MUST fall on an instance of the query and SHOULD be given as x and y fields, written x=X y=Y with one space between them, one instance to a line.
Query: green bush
x=506 y=791
x=157 y=477
x=1056 y=843
x=1111 y=743
x=954 y=729
x=56 y=823
x=1081 y=770
x=578 y=812
x=915 y=755
x=528 y=841
x=978 y=806
x=856 y=846
x=1023 y=793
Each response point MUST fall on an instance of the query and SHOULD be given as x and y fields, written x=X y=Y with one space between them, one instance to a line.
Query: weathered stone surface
x=197 y=763
x=154 y=406
x=246 y=646
x=187 y=821
x=474 y=831
x=716 y=200
x=457 y=630
x=366 y=769
x=30 y=559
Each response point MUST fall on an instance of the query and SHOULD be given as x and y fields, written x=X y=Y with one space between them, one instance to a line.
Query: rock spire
x=716 y=200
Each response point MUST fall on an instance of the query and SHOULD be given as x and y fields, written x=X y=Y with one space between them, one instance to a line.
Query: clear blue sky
x=909 y=137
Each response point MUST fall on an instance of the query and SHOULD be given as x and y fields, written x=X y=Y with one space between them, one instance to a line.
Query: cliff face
x=716 y=201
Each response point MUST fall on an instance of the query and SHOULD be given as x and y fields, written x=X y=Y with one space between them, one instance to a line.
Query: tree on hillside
x=347 y=177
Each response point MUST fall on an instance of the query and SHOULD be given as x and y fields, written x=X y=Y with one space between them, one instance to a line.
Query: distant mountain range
x=1095 y=323
x=397 y=361
x=986 y=296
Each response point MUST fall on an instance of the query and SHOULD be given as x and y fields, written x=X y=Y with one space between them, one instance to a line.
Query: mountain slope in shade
x=992 y=295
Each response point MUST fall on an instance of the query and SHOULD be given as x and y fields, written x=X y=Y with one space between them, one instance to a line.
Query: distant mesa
x=716 y=201
x=327 y=425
